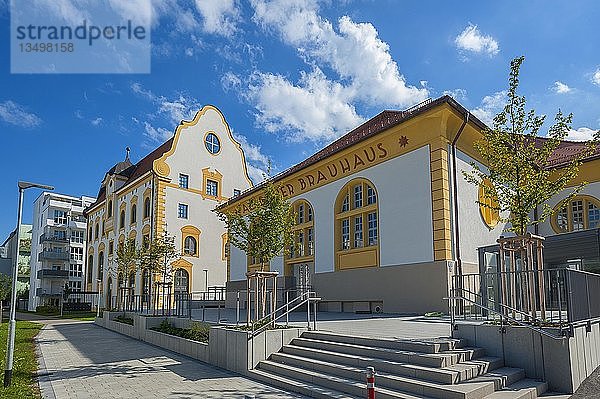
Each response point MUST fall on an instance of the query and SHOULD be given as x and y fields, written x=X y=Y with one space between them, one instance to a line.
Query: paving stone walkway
x=81 y=360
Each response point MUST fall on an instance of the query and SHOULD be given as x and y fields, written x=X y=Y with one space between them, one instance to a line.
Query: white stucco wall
x=190 y=157
x=403 y=185
x=474 y=233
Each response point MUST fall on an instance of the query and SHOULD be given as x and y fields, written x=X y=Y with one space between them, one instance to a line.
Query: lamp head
x=23 y=185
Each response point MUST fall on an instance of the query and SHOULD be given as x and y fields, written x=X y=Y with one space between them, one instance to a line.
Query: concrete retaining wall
x=227 y=348
x=562 y=363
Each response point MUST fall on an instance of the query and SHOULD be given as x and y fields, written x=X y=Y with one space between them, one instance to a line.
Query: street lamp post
x=10 y=344
x=98 y=304
x=205 y=281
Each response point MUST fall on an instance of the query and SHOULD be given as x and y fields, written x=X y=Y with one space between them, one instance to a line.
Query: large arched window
x=109 y=210
x=181 y=281
x=122 y=219
x=97 y=229
x=580 y=213
x=146 y=207
x=133 y=214
x=357 y=225
x=303 y=250
x=190 y=246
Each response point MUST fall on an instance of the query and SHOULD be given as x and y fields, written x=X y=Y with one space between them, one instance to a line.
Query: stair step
x=522 y=389
x=414 y=386
x=502 y=377
x=432 y=345
x=301 y=387
x=441 y=359
x=555 y=395
x=345 y=385
x=449 y=375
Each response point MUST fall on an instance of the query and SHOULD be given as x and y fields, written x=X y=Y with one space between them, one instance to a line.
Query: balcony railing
x=53 y=255
x=50 y=273
x=42 y=292
x=53 y=238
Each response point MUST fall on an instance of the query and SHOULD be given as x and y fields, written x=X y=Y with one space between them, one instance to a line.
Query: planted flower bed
x=124 y=320
x=197 y=331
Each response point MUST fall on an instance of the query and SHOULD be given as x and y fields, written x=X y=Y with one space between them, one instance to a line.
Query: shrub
x=47 y=310
x=197 y=331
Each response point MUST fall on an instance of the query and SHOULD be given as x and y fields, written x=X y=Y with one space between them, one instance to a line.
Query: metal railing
x=549 y=301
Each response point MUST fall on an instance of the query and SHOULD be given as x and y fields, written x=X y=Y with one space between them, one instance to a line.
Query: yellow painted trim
x=489 y=216
x=224 y=243
x=440 y=200
x=160 y=166
x=215 y=176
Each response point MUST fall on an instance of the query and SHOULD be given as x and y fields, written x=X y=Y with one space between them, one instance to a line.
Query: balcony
x=50 y=273
x=53 y=255
x=41 y=292
x=46 y=237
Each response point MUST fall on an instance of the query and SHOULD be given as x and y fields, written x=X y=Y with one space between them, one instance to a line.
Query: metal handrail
x=536 y=329
x=272 y=317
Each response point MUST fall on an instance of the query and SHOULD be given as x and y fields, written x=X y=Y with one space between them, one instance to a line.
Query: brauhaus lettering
x=81 y=32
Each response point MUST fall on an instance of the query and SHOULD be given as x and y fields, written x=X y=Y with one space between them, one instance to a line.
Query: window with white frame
x=182 y=211
x=60 y=217
x=212 y=188
x=183 y=180
x=77 y=236
x=77 y=254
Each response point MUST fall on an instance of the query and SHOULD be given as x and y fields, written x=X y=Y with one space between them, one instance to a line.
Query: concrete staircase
x=329 y=365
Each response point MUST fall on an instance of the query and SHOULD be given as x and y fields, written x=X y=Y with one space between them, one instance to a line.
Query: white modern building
x=58 y=245
x=173 y=190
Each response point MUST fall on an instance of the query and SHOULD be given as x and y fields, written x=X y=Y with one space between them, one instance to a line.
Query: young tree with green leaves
x=517 y=162
x=264 y=232
x=126 y=263
x=157 y=256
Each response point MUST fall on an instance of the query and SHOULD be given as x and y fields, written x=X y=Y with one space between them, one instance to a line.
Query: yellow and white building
x=174 y=189
x=384 y=215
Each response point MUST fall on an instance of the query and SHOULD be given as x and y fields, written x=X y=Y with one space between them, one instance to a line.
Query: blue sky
x=290 y=76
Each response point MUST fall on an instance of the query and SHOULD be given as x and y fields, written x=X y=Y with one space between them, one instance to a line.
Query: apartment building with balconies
x=58 y=245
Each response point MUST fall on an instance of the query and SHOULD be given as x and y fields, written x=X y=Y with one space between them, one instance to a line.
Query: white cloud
x=16 y=114
x=96 y=121
x=315 y=109
x=175 y=109
x=355 y=52
x=159 y=135
x=596 y=77
x=219 y=16
x=471 y=40
x=231 y=81
x=457 y=94
x=189 y=51
x=490 y=106
x=581 y=134
x=319 y=107
x=256 y=161
x=561 y=88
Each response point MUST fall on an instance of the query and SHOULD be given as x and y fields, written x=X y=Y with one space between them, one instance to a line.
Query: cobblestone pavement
x=81 y=360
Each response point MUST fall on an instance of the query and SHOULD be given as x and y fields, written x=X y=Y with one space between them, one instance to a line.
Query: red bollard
x=370 y=383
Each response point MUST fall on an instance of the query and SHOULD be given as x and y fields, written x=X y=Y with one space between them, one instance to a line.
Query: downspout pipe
x=458 y=270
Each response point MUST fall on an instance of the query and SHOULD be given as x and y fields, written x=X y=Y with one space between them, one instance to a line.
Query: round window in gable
x=211 y=141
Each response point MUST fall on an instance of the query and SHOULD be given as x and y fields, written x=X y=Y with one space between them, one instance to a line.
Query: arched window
x=181 y=281
x=90 y=268
x=97 y=230
x=357 y=225
x=90 y=236
x=122 y=219
x=303 y=250
x=109 y=211
x=190 y=246
x=131 y=281
x=146 y=207
x=133 y=214
x=580 y=213
x=101 y=265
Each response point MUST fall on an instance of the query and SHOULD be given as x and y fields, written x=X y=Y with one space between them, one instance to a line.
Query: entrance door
x=303 y=274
